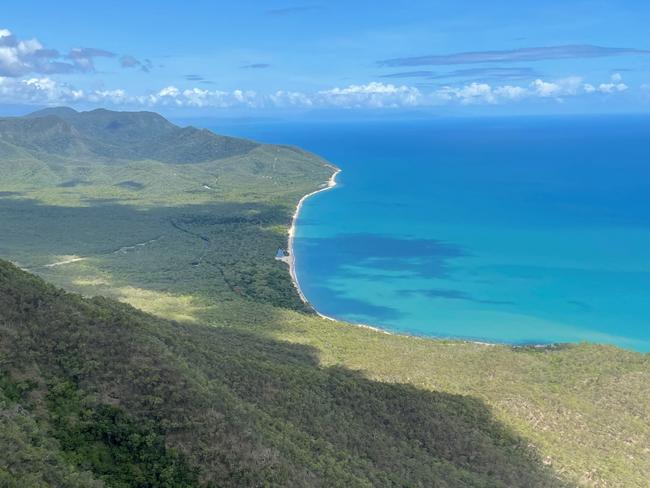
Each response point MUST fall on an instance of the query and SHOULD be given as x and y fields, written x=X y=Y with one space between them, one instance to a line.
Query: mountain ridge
x=112 y=135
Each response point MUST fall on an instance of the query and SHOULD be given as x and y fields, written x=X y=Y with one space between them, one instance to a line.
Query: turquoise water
x=516 y=230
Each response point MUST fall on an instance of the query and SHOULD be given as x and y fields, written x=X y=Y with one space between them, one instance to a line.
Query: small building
x=281 y=254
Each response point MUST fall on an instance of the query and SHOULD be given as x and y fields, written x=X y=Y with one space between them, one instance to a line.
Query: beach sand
x=291 y=261
x=331 y=183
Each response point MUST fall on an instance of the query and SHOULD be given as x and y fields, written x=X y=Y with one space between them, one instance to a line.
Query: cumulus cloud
x=538 y=89
x=24 y=57
x=21 y=57
x=38 y=90
x=565 y=87
x=516 y=55
x=198 y=97
x=373 y=95
x=509 y=92
x=284 y=99
x=615 y=85
x=29 y=57
x=46 y=91
x=468 y=94
x=606 y=87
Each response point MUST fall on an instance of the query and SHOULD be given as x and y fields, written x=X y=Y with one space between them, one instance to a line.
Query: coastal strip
x=291 y=259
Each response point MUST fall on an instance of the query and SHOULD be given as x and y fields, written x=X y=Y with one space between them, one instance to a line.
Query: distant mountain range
x=111 y=135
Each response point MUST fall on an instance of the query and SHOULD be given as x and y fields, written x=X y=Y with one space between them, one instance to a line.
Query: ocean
x=513 y=230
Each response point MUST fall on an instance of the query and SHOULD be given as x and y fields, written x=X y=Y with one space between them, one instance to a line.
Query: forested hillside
x=131 y=400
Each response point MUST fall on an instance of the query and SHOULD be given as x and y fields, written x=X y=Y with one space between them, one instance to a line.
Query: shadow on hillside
x=404 y=433
x=211 y=251
x=224 y=248
x=262 y=406
x=245 y=407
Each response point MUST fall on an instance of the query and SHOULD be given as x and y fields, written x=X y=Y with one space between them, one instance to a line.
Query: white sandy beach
x=331 y=183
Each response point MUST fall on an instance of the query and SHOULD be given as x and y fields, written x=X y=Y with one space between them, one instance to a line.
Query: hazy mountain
x=110 y=135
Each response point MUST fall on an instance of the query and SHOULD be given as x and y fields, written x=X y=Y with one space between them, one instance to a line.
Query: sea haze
x=516 y=230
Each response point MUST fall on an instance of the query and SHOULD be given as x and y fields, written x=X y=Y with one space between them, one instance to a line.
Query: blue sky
x=205 y=58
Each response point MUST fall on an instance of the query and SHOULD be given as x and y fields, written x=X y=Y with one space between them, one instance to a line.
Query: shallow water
x=517 y=230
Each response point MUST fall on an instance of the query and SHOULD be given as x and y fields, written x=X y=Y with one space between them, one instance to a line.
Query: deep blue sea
x=516 y=230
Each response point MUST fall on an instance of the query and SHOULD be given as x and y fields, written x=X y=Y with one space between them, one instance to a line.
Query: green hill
x=104 y=134
x=123 y=397
x=220 y=373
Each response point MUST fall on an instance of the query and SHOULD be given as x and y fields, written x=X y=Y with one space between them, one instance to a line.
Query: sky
x=275 y=58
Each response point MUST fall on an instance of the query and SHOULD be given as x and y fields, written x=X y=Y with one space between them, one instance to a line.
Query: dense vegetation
x=107 y=382
x=232 y=380
x=101 y=136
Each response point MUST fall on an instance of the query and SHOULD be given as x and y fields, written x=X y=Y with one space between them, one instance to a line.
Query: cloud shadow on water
x=427 y=258
x=453 y=295
x=340 y=306
x=371 y=257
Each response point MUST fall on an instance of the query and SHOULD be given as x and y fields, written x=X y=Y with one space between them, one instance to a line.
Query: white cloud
x=25 y=57
x=475 y=93
x=113 y=96
x=564 y=87
x=546 y=89
x=371 y=95
x=285 y=99
x=612 y=87
x=170 y=91
x=588 y=88
x=511 y=92
x=615 y=86
x=27 y=68
x=18 y=58
x=468 y=94
x=199 y=97
x=46 y=90
x=38 y=90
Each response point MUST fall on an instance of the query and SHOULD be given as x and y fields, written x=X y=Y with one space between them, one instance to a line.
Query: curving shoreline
x=291 y=260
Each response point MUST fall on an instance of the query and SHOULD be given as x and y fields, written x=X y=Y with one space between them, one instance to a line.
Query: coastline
x=291 y=260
